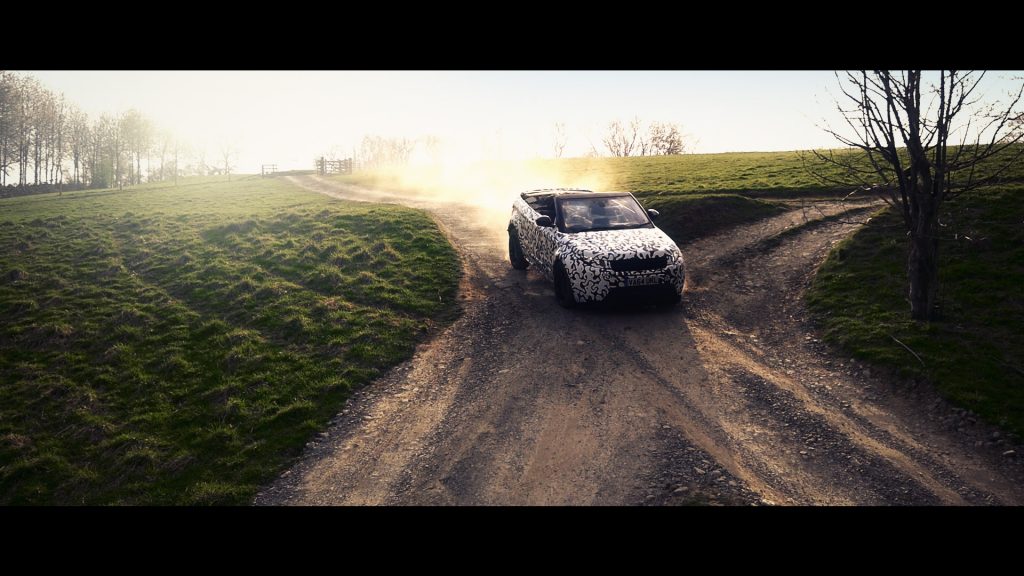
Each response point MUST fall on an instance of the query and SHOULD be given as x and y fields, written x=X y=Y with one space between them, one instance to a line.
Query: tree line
x=632 y=138
x=48 y=143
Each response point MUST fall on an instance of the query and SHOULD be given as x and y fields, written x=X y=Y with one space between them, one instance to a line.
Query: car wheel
x=563 y=288
x=515 y=251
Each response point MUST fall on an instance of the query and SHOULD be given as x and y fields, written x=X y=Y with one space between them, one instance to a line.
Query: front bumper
x=598 y=282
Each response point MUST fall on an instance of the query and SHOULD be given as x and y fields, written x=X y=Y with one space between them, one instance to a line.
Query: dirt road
x=729 y=397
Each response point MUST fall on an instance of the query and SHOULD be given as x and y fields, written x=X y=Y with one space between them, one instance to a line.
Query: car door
x=529 y=233
x=547 y=245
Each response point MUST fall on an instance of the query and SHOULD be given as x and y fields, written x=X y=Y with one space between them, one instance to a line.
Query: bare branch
x=898 y=129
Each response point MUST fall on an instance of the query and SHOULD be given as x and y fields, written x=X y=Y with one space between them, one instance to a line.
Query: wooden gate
x=324 y=166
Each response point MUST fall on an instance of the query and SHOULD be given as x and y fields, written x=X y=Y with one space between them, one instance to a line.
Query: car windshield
x=594 y=213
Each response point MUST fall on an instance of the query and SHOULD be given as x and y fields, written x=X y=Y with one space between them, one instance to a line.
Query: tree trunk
x=922 y=271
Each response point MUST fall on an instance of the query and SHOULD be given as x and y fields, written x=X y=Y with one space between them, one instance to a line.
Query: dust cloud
x=488 y=186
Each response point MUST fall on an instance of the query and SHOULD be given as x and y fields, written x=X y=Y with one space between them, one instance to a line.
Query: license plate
x=644 y=280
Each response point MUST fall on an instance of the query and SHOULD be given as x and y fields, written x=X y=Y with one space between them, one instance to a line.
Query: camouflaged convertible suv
x=594 y=246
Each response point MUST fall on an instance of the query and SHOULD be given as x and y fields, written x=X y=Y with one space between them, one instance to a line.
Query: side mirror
x=653 y=213
x=545 y=222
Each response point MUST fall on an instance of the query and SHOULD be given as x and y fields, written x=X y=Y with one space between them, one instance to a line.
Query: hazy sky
x=290 y=117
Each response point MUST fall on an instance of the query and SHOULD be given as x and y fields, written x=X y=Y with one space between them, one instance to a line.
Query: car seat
x=599 y=217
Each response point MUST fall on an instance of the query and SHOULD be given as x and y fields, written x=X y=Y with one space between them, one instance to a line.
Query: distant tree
x=592 y=151
x=50 y=141
x=104 y=164
x=922 y=142
x=371 y=151
x=227 y=154
x=620 y=140
x=137 y=135
x=432 y=147
x=560 y=139
x=57 y=145
x=378 y=151
x=200 y=167
x=37 y=108
x=25 y=93
x=177 y=150
x=117 y=150
x=163 y=144
x=78 y=141
x=8 y=120
x=665 y=139
x=644 y=144
x=401 y=150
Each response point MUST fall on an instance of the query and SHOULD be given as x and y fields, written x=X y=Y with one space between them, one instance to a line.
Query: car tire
x=563 y=288
x=515 y=251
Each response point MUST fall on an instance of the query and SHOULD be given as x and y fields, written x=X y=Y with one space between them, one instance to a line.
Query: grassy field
x=179 y=345
x=778 y=174
x=686 y=217
x=974 y=354
x=751 y=174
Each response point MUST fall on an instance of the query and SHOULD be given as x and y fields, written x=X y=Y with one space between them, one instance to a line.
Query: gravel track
x=728 y=398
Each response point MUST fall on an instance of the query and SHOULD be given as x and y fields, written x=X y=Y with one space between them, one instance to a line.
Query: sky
x=289 y=118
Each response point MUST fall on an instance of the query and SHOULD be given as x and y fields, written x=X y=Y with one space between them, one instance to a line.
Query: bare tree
x=116 y=135
x=614 y=137
x=560 y=139
x=57 y=145
x=620 y=140
x=137 y=135
x=644 y=140
x=177 y=150
x=163 y=146
x=227 y=153
x=104 y=151
x=8 y=118
x=78 y=141
x=99 y=176
x=380 y=152
x=592 y=152
x=921 y=143
x=666 y=139
x=198 y=166
x=401 y=150
x=433 y=148
x=26 y=91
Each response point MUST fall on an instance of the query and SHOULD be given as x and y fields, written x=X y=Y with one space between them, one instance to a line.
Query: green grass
x=780 y=174
x=748 y=173
x=974 y=354
x=686 y=217
x=751 y=174
x=180 y=345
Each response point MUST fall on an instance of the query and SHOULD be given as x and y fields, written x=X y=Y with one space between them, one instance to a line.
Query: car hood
x=619 y=244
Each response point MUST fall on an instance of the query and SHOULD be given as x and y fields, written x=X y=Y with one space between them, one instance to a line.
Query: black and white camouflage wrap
x=587 y=256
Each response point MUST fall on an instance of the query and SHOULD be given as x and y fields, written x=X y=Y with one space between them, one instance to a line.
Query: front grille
x=637 y=264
